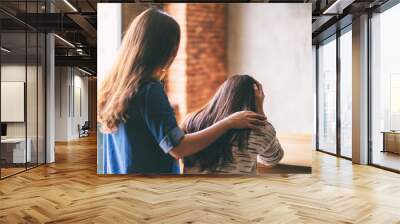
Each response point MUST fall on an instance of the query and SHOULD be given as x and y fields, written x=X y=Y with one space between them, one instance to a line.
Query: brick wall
x=199 y=68
x=176 y=78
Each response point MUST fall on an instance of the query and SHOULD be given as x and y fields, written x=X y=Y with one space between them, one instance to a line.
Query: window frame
x=334 y=37
x=381 y=9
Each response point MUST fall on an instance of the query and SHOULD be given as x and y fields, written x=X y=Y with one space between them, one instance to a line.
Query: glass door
x=346 y=92
x=334 y=99
x=385 y=89
x=14 y=156
x=22 y=77
x=327 y=95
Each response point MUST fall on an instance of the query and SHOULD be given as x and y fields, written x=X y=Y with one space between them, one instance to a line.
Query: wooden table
x=391 y=141
x=297 y=158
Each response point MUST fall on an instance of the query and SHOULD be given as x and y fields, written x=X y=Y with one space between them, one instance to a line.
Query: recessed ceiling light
x=70 y=5
x=338 y=6
x=64 y=40
x=5 y=50
x=84 y=71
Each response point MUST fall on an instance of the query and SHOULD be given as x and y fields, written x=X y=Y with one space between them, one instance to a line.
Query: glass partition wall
x=327 y=95
x=345 y=62
x=334 y=84
x=22 y=88
x=385 y=89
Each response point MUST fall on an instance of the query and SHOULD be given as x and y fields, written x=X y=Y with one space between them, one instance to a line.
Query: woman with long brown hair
x=236 y=151
x=140 y=132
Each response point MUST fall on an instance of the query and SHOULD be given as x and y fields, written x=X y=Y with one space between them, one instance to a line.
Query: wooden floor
x=69 y=191
x=10 y=171
x=387 y=159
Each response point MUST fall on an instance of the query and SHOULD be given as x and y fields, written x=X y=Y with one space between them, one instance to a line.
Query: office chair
x=84 y=130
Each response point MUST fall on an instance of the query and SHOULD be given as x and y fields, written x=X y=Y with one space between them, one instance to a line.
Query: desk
x=391 y=141
x=13 y=150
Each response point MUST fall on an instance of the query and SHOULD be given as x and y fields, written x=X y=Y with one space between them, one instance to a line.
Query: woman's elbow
x=271 y=161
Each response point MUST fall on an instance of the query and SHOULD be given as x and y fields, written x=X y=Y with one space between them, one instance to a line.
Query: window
x=385 y=89
x=346 y=93
x=22 y=77
x=334 y=60
x=327 y=96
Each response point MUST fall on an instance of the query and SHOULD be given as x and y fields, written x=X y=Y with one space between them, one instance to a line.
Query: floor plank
x=70 y=191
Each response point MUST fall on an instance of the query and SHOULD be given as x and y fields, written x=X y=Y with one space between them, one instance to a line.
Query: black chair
x=84 y=130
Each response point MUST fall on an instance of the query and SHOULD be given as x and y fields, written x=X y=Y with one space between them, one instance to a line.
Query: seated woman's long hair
x=235 y=94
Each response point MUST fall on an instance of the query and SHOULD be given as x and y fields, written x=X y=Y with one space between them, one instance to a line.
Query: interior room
x=348 y=123
x=22 y=99
x=25 y=65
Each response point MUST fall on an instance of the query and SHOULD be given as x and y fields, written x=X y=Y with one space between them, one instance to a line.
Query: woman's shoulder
x=151 y=85
x=148 y=89
x=151 y=88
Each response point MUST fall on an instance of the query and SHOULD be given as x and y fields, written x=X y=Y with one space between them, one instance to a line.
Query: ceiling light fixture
x=84 y=71
x=337 y=7
x=70 y=5
x=5 y=50
x=64 y=40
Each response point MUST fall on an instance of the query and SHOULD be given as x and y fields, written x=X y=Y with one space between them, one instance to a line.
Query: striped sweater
x=263 y=146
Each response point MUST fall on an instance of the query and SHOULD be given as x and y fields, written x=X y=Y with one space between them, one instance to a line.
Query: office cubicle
x=22 y=95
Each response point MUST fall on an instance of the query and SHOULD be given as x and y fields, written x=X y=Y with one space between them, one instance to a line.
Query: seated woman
x=237 y=151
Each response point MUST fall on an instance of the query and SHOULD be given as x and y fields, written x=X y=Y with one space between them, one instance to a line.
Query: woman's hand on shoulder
x=245 y=119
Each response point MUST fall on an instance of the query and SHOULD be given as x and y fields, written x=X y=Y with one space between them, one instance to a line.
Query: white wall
x=80 y=84
x=33 y=126
x=272 y=42
x=108 y=37
x=61 y=103
x=67 y=114
x=16 y=72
